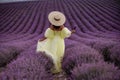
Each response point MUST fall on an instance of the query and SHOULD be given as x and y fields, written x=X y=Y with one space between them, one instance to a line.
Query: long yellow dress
x=54 y=45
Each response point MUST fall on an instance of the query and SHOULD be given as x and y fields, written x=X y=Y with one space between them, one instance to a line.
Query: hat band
x=56 y=19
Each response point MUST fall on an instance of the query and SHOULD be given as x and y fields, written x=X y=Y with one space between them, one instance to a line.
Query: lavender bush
x=32 y=67
x=95 y=71
x=115 y=54
x=7 y=53
x=79 y=55
x=104 y=48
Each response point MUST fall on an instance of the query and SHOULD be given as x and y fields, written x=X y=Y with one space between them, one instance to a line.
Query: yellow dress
x=54 y=45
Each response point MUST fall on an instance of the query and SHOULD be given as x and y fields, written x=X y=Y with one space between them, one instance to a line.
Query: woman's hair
x=56 y=27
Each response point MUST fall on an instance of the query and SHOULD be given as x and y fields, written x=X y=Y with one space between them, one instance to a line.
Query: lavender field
x=92 y=53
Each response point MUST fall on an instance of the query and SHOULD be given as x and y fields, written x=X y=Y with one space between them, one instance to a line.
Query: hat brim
x=53 y=21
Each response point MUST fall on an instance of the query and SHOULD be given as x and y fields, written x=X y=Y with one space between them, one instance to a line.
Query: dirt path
x=60 y=76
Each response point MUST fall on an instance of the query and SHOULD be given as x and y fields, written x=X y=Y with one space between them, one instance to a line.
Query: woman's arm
x=42 y=39
x=73 y=30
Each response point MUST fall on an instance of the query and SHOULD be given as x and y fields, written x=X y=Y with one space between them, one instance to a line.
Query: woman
x=53 y=43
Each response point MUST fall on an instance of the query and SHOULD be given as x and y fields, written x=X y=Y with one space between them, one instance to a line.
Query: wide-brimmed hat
x=56 y=18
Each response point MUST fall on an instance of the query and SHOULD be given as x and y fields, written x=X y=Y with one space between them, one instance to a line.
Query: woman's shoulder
x=49 y=29
x=65 y=28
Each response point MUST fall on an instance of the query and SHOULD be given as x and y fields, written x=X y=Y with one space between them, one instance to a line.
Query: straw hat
x=56 y=18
